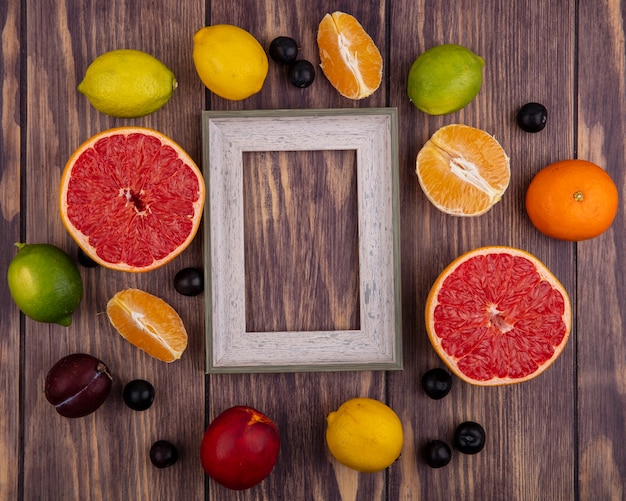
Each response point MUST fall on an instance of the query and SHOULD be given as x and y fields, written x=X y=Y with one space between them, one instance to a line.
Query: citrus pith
x=497 y=315
x=463 y=170
x=131 y=198
x=349 y=57
x=149 y=323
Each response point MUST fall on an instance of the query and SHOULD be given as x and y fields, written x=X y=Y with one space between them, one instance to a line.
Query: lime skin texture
x=45 y=283
x=445 y=79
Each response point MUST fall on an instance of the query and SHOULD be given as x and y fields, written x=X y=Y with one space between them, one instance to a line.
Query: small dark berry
x=189 y=281
x=532 y=117
x=138 y=395
x=301 y=73
x=437 y=454
x=469 y=437
x=283 y=50
x=437 y=383
x=163 y=454
x=85 y=260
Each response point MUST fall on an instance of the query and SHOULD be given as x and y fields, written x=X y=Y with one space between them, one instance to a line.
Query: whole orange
x=572 y=200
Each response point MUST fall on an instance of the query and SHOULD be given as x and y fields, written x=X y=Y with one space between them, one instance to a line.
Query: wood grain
x=301 y=250
x=517 y=419
x=10 y=228
x=601 y=289
x=105 y=455
x=557 y=437
x=311 y=396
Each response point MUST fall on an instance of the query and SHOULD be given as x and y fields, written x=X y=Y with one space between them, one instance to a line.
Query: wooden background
x=301 y=223
x=560 y=436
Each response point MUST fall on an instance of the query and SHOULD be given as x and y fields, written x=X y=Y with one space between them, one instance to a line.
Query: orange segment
x=131 y=198
x=149 y=323
x=497 y=315
x=463 y=170
x=349 y=57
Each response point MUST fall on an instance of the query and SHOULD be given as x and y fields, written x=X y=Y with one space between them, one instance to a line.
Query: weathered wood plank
x=528 y=53
x=298 y=402
x=305 y=272
x=601 y=288
x=105 y=455
x=10 y=228
x=540 y=445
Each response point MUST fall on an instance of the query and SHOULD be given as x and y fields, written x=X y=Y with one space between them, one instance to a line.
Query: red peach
x=240 y=447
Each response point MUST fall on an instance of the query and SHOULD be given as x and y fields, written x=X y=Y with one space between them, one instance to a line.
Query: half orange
x=131 y=198
x=349 y=57
x=497 y=315
x=149 y=323
x=463 y=170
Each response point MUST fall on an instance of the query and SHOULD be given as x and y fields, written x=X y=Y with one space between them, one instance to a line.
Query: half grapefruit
x=497 y=315
x=131 y=198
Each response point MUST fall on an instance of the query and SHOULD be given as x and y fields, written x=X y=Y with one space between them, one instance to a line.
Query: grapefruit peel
x=488 y=339
x=132 y=201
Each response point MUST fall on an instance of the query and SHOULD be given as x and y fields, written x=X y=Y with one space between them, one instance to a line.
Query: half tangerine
x=149 y=323
x=463 y=170
x=131 y=198
x=349 y=57
x=497 y=315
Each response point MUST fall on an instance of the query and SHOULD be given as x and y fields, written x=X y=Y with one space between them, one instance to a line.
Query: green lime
x=127 y=83
x=445 y=79
x=45 y=283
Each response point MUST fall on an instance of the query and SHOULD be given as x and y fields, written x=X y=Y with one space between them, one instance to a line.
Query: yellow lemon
x=229 y=61
x=445 y=79
x=127 y=83
x=364 y=434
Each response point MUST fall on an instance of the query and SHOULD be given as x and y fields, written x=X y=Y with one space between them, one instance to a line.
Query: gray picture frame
x=372 y=132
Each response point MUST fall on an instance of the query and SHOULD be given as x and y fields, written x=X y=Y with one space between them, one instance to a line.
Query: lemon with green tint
x=127 y=83
x=45 y=283
x=445 y=79
x=230 y=61
x=364 y=434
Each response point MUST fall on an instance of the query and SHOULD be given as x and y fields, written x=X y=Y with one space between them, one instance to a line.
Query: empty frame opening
x=301 y=242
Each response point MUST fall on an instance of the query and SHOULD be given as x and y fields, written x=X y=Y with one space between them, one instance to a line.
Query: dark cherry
x=469 y=437
x=437 y=383
x=138 y=394
x=163 y=454
x=85 y=260
x=437 y=453
x=532 y=117
x=301 y=73
x=283 y=50
x=189 y=281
